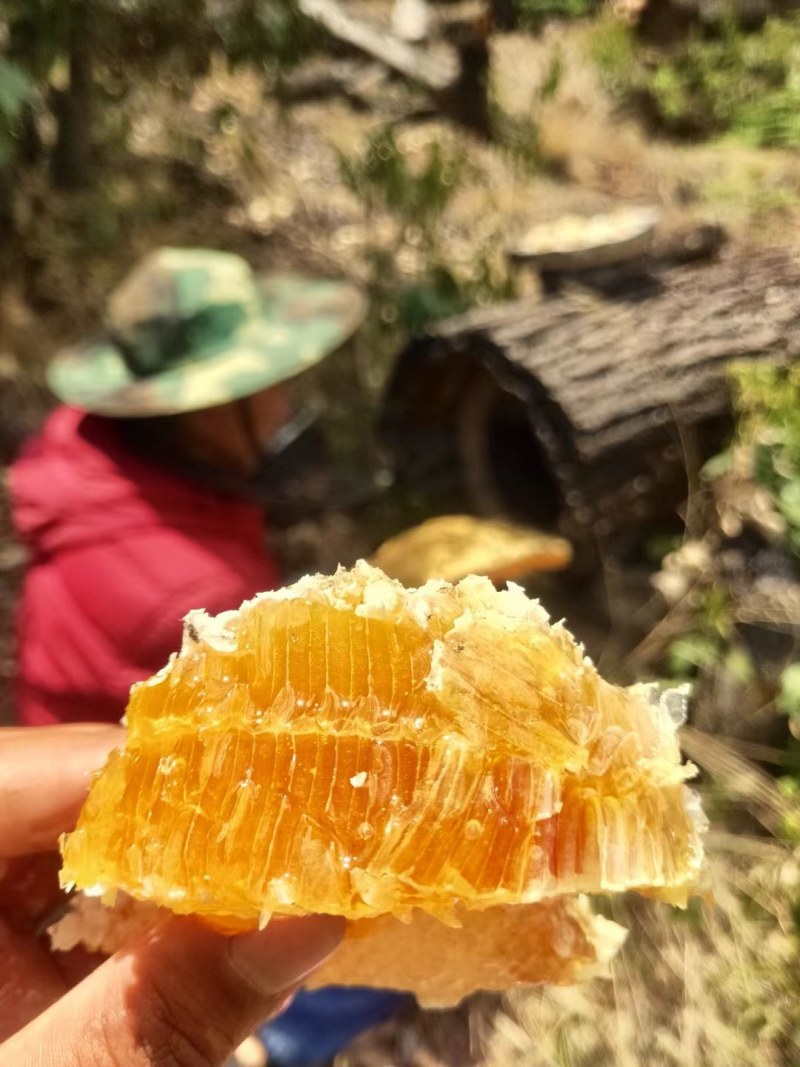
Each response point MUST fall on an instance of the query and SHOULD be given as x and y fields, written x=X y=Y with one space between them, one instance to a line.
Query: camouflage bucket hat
x=193 y=328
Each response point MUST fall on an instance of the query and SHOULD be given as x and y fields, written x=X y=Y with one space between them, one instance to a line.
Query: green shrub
x=729 y=82
x=416 y=196
x=532 y=14
x=383 y=179
x=613 y=48
x=767 y=403
x=16 y=89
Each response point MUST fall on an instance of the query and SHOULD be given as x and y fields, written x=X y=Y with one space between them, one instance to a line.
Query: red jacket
x=120 y=551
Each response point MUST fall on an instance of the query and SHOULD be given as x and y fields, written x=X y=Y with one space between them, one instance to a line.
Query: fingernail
x=289 y=949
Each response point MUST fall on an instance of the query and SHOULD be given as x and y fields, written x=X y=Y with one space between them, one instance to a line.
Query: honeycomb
x=352 y=747
x=453 y=546
x=557 y=941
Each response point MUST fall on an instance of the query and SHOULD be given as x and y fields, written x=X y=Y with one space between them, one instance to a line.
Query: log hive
x=593 y=409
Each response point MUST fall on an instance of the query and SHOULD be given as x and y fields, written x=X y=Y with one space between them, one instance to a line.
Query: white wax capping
x=676 y=703
x=694 y=809
x=380 y=599
x=216 y=631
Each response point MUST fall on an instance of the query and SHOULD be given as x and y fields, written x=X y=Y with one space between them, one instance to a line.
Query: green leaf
x=788 y=700
x=552 y=79
x=15 y=88
x=789 y=501
x=764 y=467
x=788 y=787
x=688 y=654
x=739 y=665
x=660 y=545
x=716 y=466
x=437 y=296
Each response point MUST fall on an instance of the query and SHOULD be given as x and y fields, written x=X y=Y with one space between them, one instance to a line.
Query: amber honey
x=351 y=747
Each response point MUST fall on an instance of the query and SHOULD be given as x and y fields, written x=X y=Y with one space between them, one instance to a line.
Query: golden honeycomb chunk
x=351 y=747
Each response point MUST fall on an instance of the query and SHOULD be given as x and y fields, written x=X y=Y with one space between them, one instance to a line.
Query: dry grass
x=715 y=986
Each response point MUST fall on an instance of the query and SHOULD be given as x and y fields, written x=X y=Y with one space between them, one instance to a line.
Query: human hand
x=180 y=996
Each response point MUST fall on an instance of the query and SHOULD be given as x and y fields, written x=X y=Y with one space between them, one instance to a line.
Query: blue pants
x=319 y=1024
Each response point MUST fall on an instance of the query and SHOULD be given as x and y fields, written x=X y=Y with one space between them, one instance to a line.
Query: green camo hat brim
x=301 y=322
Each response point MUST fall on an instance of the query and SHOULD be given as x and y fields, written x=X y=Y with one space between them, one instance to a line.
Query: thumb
x=182 y=996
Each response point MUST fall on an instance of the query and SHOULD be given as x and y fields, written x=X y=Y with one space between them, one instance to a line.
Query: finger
x=44 y=776
x=29 y=890
x=183 y=996
x=29 y=980
x=32 y=977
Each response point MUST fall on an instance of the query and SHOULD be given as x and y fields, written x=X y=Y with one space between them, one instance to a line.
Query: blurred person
x=144 y=497
x=178 y=994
